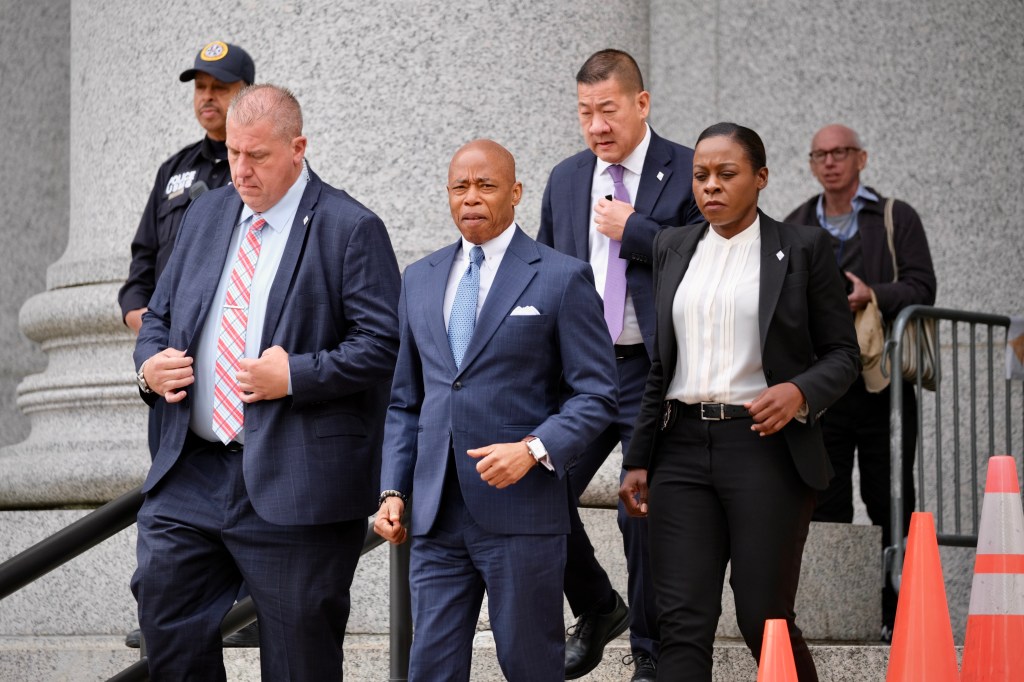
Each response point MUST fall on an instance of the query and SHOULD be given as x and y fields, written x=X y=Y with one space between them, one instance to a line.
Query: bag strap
x=888 y=233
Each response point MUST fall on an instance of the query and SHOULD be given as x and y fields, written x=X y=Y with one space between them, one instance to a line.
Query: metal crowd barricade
x=967 y=419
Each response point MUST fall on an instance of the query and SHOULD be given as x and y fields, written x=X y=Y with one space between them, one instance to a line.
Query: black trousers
x=720 y=493
x=586 y=583
x=859 y=421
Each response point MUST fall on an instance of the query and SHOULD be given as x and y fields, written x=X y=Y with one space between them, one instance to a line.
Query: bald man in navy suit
x=493 y=397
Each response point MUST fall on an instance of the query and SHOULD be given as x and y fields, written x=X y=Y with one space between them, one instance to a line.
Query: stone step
x=838 y=598
x=97 y=658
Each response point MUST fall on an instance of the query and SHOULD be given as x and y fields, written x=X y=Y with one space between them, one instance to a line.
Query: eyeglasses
x=838 y=154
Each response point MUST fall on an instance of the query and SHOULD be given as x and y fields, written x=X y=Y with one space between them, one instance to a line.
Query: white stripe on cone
x=1002 y=525
x=997 y=594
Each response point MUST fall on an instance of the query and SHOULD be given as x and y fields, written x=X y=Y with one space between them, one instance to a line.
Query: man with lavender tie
x=605 y=205
x=271 y=338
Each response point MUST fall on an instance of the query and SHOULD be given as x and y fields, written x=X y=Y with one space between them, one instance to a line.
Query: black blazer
x=807 y=334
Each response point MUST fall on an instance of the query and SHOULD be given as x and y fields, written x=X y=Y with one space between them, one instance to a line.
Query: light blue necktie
x=462 y=319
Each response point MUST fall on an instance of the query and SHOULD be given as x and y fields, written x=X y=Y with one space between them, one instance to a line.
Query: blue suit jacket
x=312 y=457
x=510 y=386
x=660 y=202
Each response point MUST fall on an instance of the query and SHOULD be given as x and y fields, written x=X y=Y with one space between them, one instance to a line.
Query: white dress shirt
x=494 y=251
x=274 y=237
x=601 y=186
x=714 y=314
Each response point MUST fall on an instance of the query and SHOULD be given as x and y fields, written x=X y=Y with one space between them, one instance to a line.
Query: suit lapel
x=219 y=245
x=434 y=288
x=510 y=281
x=654 y=177
x=582 y=180
x=774 y=265
x=301 y=225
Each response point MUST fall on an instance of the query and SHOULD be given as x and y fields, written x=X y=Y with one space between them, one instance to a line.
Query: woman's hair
x=751 y=142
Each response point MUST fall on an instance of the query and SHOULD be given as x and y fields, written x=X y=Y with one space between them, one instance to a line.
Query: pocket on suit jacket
x=339 y=424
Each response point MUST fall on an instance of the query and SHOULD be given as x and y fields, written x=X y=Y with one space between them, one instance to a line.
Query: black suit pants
x=860 y=421
x=586 y=582
x=719 y=493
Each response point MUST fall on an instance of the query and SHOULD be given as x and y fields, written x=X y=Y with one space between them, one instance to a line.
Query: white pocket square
x=524 y=310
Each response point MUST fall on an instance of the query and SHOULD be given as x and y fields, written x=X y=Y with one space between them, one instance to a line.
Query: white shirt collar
x=280 y=214
x=634 y=163
x=494 y=249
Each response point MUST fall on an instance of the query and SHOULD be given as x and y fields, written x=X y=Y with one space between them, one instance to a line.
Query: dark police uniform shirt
x=205 y=160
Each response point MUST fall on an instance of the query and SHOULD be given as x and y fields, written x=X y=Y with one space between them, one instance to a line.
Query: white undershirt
x=601 y=186
x=714 y=314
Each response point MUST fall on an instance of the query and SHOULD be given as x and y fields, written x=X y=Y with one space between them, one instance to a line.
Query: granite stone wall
x=35 y=49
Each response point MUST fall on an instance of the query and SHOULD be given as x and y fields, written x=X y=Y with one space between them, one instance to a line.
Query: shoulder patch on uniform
x=214 y=51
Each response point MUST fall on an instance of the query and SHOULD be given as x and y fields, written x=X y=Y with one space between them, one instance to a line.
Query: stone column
x=389 y=91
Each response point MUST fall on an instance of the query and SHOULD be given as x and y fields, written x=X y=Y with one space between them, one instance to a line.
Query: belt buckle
x=666 y=415
x=712 y=417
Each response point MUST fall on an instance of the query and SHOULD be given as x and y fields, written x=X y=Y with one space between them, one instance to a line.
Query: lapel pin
x=661 y=176
x=305 y=220
x=779 y=255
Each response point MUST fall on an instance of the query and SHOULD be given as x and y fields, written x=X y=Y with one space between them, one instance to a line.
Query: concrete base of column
x=88 y=425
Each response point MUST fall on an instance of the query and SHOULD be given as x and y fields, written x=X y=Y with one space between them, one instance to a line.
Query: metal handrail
x=67 y=543
x=893 y=354
x=110 y=519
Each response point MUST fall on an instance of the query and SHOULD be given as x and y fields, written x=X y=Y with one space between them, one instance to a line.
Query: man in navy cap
x=219 y=72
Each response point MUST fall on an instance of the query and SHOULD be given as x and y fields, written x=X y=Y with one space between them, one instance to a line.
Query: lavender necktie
x=615 y=279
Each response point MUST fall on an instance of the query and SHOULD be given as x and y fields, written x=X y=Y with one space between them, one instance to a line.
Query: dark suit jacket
x=660 y=202
x=312 y=457
x=807 y=335
x=508 y=386
x=916 y=283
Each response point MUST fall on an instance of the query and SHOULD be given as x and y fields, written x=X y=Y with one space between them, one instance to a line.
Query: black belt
x=624 y=352
x=195 y=442
x=707 y=411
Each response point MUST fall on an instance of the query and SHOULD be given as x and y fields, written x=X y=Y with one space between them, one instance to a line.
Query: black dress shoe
x=644 y=669
x=249 y=636
x=133 y=639
x=588 y=636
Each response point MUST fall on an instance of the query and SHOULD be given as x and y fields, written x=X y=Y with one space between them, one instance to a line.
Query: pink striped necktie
x=227 y=401
x=615 y=279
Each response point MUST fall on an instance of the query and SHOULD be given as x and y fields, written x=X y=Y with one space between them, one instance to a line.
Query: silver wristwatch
x=536 y=447
x=140 y=376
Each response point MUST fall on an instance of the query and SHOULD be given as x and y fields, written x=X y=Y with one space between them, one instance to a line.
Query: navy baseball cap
x=225 y=62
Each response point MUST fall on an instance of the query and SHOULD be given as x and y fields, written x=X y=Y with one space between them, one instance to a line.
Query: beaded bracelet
x=392 y=493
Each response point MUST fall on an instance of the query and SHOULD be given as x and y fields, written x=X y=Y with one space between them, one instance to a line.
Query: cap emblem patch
x=214 y=51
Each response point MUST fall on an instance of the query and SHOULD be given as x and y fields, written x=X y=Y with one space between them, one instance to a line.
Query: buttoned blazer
x=663 y=199
x=551 y=374
x=314 y=456
x=806 y=335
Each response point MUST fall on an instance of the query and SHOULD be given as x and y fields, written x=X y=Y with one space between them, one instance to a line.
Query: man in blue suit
x=497 y=389
x=271 y=336
x=604 y=206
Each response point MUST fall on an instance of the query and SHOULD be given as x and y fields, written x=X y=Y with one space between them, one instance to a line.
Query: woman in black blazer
x=753 y=342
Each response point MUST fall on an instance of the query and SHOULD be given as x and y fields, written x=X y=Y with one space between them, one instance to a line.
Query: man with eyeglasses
x=854 y=215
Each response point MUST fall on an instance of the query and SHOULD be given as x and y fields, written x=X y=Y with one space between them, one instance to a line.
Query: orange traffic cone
x=777 y=663
x=994 y=646
x=922 y=641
